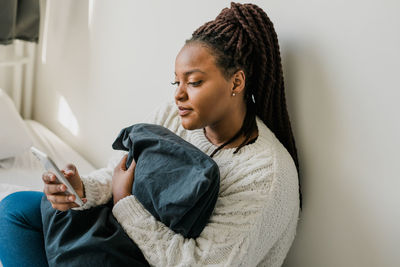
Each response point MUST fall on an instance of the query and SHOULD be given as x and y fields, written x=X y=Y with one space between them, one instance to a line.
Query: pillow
x=174 y=180
x=14 y=136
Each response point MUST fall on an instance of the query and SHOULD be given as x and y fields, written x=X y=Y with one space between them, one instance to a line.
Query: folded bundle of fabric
x=175 y=181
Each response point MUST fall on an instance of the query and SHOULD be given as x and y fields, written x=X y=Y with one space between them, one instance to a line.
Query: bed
x=23 y=172
x=19 y=169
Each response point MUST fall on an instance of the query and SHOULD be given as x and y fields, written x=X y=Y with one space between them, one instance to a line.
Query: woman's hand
x=55 y=191
x=122 y=180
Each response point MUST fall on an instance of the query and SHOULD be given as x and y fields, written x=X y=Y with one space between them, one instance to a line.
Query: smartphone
x=50 y=166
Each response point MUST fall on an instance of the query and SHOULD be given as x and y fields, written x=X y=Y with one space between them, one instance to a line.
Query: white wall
x=113 y=66
x=112 y=61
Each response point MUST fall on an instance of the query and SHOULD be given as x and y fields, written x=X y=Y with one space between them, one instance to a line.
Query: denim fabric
x=174 y=180
x=21 y=236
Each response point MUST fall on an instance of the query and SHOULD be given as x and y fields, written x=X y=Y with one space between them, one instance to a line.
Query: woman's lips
x=184 y=111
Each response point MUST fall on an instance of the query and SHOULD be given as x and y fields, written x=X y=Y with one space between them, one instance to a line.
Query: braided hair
x=243 y=37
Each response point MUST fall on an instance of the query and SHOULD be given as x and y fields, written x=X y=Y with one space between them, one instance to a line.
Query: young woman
x=230 y=103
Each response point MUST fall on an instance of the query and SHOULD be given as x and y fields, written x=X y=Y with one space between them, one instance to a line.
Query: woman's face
x=203 y=95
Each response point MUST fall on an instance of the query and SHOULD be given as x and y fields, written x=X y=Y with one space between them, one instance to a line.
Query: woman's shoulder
x=266 y=160
x=278 y=164
x=268 y=145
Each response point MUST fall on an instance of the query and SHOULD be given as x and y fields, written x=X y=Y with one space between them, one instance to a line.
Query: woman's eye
x=195 y=83
x=190 y=83
x=175 y=83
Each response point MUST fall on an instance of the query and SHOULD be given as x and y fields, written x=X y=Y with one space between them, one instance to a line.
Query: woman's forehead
x=194 y=57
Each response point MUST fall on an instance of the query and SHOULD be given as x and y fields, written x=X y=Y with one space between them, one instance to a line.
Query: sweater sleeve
x=98 y=184
x=249 y=217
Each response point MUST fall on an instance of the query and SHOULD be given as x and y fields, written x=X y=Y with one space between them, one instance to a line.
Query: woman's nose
x=180 y=93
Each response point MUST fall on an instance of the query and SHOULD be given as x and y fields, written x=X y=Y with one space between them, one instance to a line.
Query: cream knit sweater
x=255 y=217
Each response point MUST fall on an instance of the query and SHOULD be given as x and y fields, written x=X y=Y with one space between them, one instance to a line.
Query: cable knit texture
x=255 y=217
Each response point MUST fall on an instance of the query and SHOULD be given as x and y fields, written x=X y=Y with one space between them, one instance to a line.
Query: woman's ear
x=238 y=81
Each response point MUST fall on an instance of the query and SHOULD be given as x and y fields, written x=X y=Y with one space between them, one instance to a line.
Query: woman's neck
x=221 y=132
x=235 y=143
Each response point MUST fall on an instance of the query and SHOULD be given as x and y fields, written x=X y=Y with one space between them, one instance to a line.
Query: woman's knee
x=19 y=206
x=9 y=203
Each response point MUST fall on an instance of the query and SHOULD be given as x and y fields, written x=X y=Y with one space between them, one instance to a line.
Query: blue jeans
x=21 y=234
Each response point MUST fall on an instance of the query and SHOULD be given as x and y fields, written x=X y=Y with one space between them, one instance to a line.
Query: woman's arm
x=245 y=224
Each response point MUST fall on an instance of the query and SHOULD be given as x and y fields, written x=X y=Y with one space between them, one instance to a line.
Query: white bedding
x=24 y=171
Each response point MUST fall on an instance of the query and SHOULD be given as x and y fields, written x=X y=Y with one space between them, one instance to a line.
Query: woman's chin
x=189 y=124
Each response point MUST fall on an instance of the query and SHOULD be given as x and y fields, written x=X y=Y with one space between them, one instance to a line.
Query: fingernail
x=62 y=187
x=71 y=198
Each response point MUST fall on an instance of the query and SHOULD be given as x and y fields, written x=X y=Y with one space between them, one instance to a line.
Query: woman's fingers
x=49 y=177
x=54 y=188
x=122 y=164
x=63 y=206
x=132 y=166
x=59 y=204
x=61 y=199
x=70 y=170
